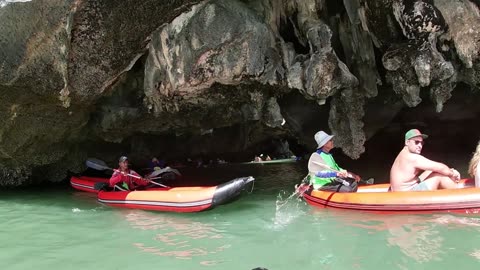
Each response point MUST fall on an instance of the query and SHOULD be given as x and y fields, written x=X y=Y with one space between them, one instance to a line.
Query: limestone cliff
x=179 y=78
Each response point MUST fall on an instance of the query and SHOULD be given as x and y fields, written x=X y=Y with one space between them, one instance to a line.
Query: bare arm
x=426 y=164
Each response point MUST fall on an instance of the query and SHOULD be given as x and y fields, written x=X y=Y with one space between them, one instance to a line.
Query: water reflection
x=417 y=240
x=179 y=237
x=84 y=197
x=415 y=235
x=419 y=237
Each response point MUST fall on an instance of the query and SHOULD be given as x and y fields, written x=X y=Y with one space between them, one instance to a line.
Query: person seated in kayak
x=156 y=164
x=413 y=172
x=473 y=168
x=324 y=172
x=265 y=157
x=121 y=177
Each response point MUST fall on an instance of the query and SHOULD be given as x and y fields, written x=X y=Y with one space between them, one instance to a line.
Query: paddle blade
x=369 y=181
x=96 y=164
x=164 y=170
x=301 y=189
x=175 y=171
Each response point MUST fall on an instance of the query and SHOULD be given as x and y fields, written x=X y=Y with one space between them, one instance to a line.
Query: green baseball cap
x=414 y=133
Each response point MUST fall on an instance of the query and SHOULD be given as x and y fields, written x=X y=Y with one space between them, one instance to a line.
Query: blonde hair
x=474 y=161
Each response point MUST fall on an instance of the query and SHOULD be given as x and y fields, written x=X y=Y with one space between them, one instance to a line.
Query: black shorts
x=338 y=185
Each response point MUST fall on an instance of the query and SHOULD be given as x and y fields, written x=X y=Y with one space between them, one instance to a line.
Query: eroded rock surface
x=188 y=78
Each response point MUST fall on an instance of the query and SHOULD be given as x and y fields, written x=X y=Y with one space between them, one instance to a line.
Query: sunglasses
x=418 y=142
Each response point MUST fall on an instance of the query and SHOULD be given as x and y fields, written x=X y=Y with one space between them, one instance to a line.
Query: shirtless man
x=413 y=172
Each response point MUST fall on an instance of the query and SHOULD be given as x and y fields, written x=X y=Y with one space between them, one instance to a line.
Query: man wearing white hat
x=324 y=172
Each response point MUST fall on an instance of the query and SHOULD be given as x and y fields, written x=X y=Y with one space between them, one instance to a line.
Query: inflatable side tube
x=228 y=191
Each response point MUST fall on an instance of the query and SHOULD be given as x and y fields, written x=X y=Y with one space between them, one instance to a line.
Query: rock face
x=218 y=78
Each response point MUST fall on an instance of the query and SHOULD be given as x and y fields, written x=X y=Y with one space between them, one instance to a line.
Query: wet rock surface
x=227 y=79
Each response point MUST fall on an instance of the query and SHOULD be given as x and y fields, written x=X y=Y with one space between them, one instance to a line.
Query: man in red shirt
x=124 y=177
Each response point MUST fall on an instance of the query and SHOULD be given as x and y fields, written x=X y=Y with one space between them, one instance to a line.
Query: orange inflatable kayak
x=379 y=198
x=169 y=199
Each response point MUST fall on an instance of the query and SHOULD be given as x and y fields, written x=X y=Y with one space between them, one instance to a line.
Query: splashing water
x=288 y=209
x=299 y=190
x=280 y=202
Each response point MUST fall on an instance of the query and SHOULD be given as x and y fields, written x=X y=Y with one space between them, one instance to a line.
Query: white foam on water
x=78 y=210
x=476 y=254
x=286 y=210
x=459 y=221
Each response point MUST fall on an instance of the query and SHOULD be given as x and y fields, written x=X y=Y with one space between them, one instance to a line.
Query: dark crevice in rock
x=382 y=72
x=335 y=7
x=304 y=118
x=477 y=2
x=333 y=23
x=332 y=13
x=289 y=31
x=234 y=143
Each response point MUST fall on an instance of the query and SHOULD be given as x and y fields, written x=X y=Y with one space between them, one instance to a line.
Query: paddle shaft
x=139 y=177
x=329 y=168
x=101 y=165
x=349 y=175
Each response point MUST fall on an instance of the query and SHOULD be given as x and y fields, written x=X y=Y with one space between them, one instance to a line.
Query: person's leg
x=439 y=181
x=339 y=187
x=353 y=187
x=333 y=187
x=424 y=175
x=422 y=186
x=477 y=176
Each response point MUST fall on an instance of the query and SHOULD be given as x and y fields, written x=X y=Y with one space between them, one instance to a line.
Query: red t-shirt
x=118 y=177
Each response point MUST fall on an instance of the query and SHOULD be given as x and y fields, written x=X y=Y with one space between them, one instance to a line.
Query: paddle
x=369 y=181
x=164 y=170
x=101 y=165
x=302 y=188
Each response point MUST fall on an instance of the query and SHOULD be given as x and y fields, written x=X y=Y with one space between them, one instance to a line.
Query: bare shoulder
x=406 y=156
x=420 y=158
x=410 y=159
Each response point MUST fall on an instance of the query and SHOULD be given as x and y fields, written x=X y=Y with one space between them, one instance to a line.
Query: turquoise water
x=66 y=229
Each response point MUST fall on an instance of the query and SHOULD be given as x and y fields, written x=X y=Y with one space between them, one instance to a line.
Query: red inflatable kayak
x=378 y=198
x=86 y=183
x=175 y=199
